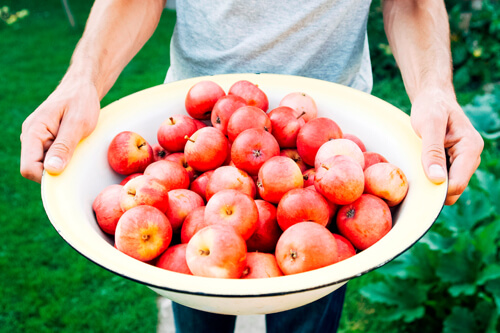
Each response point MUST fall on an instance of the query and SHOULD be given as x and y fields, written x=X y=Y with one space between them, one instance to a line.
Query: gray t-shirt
x=323 y=39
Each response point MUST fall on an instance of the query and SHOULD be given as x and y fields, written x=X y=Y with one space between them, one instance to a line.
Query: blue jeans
x=319 y=316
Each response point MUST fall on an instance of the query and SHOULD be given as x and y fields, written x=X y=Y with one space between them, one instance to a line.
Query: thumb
x=61 y=150
x=433 y=152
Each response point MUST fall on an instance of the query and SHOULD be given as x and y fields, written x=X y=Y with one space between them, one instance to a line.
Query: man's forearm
x=115 y=31
x=418 y=33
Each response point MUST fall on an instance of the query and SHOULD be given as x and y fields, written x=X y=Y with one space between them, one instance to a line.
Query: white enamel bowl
x=383 y=128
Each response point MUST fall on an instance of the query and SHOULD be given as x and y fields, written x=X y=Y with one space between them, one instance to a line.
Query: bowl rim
x=220 y=288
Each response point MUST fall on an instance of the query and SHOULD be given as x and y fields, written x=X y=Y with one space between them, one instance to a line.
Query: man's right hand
x=50 y=134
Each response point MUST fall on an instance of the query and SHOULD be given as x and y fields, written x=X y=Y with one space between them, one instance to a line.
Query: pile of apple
x=231 y=190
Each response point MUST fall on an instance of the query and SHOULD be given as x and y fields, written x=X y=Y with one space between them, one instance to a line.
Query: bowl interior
x=385 y=129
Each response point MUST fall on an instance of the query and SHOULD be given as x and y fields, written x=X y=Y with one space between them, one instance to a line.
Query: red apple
x=339 y=147
x=252 y=148
x=261 y=265
x=129 y=177
x=174 y=259
x=199 y=185
x=217 y=251
x=302 y=103
x=199 y=124
x=159 y=153
x=172 y=132
x=206 y=149
x=286 y=126
x=201 y=99
x=234 y=208
x=193 y=222
x=129 y=153
x=180 y=203
x=106 y=207
x=373 y=158
x=332 y=208
x=305 y=246
x=386 y=181
x=356 y=140
x=143 y=232
x=340 y=179
x=144 y=190
x=251 y=93
x=180 y=158
x=171 y=174
x=308 y=176
x=294 y=155
x=313 y=135
x=277 y=176
x=301 y=205
x=365 y=221
x=223 y=110
x=247 y=117
x=344 y=247
x=268 y=232
x=229 y=177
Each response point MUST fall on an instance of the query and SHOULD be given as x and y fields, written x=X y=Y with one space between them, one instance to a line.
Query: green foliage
x=475 y=42
x=450 y=280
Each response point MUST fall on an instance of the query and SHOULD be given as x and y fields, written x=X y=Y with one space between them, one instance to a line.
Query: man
x=325 y=39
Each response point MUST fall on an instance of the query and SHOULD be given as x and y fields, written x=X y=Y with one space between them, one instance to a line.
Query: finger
x=461 y=170
x=451 y=200
x=433 y=153
x=61 y=150
x=33 y=147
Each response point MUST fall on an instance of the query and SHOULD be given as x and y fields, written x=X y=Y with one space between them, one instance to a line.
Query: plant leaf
x=485 y=240
x=491 y=272
x=461 y=320
x=457 y=268
x=493 y=286
x=466 y=289
x=436 y=242
x=406 y=296
x=470 y=209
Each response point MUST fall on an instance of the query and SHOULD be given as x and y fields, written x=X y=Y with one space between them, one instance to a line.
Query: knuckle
x=28 y=173
x=435 y=151
x=61 y=146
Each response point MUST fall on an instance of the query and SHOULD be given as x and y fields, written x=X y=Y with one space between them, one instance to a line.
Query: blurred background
x=448 y=282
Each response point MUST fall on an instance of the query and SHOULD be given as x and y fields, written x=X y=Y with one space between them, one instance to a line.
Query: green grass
x=45 y=285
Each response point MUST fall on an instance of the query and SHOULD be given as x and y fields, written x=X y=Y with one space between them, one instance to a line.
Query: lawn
x=46 y=286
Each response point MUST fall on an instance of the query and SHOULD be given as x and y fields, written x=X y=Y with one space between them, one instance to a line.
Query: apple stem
x=204 y=252
x=293 y=254
x=172 y=120
x=188 y=138
x=324 y=166
x=300 y=115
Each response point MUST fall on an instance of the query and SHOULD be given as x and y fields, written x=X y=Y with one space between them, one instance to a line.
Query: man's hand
x=444 y=128
x=50 y=134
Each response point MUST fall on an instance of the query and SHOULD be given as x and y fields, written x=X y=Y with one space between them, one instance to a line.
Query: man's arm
x=418 y=33
x=115 y=32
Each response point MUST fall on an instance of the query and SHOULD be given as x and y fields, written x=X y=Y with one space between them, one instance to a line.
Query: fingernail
x=436 y=171
x=55 y=163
